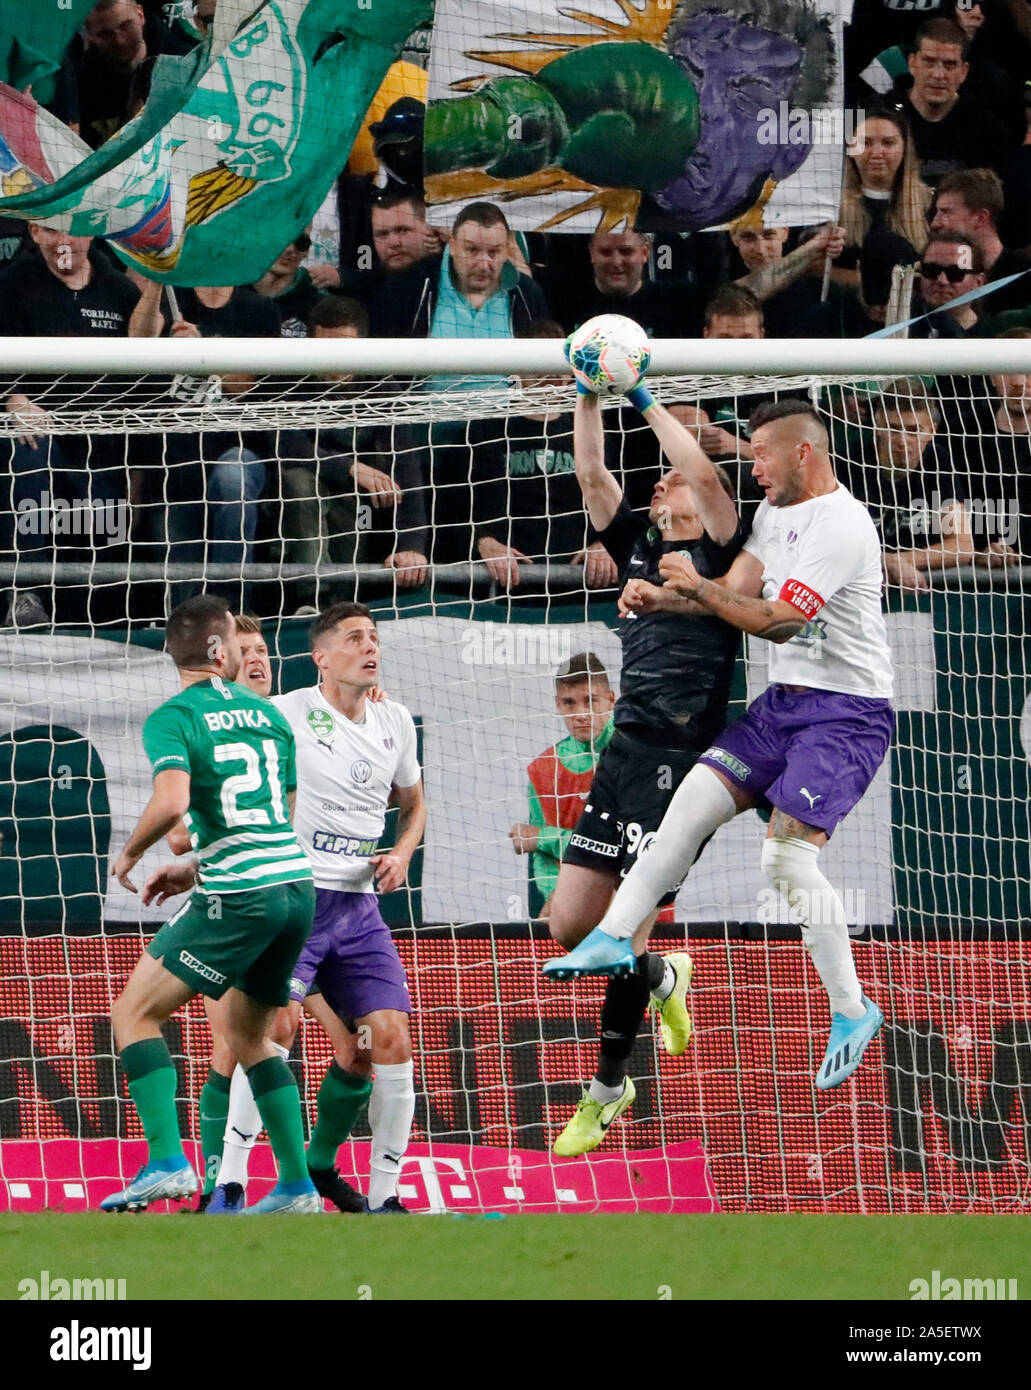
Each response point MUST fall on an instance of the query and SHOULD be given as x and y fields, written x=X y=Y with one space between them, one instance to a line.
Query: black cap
x=402 y=121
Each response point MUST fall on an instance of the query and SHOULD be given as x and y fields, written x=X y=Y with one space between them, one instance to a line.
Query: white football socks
x=700 y=805
x=391 y=1111
x=791 y=866
x=667 y=984
x=243 y=1125
x=603 y=1094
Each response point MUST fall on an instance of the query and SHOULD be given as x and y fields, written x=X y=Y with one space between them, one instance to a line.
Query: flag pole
x=825 y=288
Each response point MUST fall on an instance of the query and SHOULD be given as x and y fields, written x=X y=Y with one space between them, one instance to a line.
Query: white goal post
x=466 y=356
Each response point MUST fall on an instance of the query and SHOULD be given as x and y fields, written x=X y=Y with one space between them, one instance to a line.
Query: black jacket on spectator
x=905 y=503
x=967 y=138
x=1015 y=296
x=996 y=470
x=35 y=304
x=1015 y=228
x=662 y=310
x=246 y=314
x=12 y=234
x=407 y=310
x=526 y=492
x=799 y=312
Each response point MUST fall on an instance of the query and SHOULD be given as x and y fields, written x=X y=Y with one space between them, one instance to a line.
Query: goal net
x=455 y=514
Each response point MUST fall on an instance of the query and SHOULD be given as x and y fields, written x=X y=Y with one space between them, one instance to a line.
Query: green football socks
x=342 y=1098
x=152 y=1086
x=214 y=1112
x=279 y=1105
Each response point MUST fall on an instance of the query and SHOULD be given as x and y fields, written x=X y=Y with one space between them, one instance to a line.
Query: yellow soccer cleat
x=590 y=1122
x=674 y=1017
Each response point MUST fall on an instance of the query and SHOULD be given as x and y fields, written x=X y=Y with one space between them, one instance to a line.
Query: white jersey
x=345 y=772
x=824 y=557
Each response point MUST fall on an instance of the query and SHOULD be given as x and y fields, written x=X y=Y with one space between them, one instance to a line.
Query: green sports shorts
x=248 y=941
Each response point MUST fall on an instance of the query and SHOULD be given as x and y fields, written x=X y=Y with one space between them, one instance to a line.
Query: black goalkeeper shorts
x=632 y=787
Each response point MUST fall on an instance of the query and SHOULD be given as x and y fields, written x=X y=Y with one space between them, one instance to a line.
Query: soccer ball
x=609 y=354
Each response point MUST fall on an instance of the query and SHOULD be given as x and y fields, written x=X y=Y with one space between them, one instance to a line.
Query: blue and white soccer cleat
x=228 y=1199
x=170 y=1179
x=597 y=954
x=849 y=1039
x=293 y=1198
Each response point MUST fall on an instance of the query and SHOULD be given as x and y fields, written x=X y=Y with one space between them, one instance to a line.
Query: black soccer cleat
x=200 y=1208
x=329 y=1184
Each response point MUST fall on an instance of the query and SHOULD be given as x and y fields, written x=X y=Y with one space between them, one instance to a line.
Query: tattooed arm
x=778 y=275
x=736 y=598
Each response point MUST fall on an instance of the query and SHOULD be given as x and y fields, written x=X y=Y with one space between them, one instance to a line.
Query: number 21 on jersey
x=261 y=769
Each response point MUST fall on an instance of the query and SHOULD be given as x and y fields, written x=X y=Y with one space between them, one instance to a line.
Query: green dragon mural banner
x=653 y=114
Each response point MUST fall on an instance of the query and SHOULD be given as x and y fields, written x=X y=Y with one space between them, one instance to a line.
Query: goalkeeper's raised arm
x=602 y=494
x=716 y=509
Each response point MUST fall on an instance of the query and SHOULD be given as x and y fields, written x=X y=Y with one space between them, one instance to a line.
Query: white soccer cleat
x=165 y=1180
x=288 y=1198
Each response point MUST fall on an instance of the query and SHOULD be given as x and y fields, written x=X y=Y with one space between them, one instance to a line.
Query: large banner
x=937 y=1119
x=47 y=169
x=614 y=114
x=484 y=695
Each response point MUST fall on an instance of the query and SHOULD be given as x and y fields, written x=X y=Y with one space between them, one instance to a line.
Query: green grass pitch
x=519 y=1257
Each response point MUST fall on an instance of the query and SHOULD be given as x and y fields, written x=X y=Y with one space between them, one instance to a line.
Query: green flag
x=33 y=38
x=173 y=81
x=234 y=176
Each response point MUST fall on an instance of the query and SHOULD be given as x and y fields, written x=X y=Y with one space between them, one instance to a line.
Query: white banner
x=485 y=695
x=593 y=118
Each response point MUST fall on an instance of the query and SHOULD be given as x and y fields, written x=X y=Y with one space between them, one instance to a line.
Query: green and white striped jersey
x=239 y=751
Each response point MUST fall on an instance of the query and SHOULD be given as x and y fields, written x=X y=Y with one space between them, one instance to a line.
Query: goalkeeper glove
x=640 y=397
x=581 y=389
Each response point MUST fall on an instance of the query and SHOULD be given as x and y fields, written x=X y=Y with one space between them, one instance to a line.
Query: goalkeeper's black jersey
x=677 y=671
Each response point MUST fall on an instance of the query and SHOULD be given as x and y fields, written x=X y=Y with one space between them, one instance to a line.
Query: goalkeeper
x=674 y=687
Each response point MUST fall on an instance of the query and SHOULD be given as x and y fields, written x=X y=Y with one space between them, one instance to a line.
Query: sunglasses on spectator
x=930 y=270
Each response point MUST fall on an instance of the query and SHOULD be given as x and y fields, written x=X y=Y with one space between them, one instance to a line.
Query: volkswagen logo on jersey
x=361 y=771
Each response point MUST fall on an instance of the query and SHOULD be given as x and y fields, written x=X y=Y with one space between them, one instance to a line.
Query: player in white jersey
x=354 y=757
x=809 y=581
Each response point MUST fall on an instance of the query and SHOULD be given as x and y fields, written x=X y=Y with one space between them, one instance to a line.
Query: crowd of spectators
x=936 y=209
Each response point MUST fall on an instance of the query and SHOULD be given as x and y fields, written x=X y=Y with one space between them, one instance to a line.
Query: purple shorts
x=810 y=753
x=351 y=958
